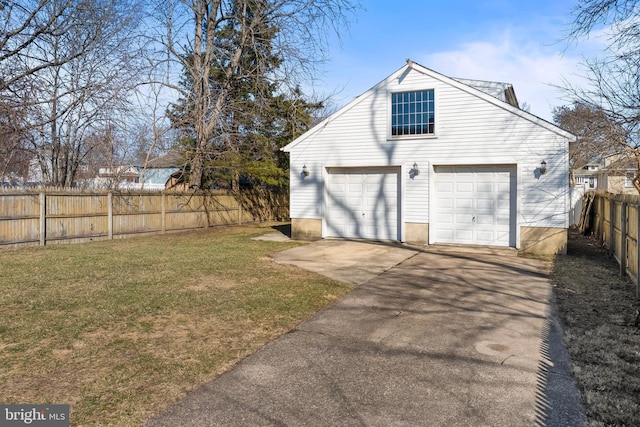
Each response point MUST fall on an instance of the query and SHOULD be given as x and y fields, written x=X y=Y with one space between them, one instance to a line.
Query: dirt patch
x=597 y=309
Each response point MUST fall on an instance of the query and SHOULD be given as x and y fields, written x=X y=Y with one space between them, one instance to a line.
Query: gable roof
x=499 y=94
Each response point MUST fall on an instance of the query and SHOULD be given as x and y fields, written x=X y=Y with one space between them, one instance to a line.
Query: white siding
x=469 y=131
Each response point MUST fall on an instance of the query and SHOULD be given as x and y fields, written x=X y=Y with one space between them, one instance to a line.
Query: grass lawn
x=597 y=307
x=121 y=329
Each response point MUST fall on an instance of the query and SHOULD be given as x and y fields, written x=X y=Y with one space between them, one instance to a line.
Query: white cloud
x=531 y=67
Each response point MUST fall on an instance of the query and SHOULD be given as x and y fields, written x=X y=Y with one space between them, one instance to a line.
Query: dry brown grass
x=597 y=308
x=121 y=329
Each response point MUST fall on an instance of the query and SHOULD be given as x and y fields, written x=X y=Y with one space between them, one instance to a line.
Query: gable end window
x=413 y=113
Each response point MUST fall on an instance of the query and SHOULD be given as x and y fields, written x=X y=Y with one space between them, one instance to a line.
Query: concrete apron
x=440 y=339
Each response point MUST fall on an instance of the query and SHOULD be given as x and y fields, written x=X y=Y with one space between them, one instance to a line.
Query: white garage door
x=362 y=204
x=475 y=205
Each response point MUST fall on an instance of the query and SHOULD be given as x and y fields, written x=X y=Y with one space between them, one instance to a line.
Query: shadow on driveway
x=429 y=339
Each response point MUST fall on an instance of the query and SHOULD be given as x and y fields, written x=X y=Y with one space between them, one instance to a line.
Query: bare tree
x=594 y=132
x=207 y=36
x=14 y=157
x=25 y=23
x=88 y=68
x=613 y=80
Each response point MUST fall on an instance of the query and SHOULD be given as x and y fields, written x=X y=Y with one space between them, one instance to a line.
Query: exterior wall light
x=543 y=167
x=305 y=171
x=415 y=171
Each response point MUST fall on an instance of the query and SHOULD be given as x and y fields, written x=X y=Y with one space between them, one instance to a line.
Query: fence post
x=43 y=218
x=612 y=227
x=623 y=239
x=110 y=215
x=164 y=212
x=601 y=219
x=638 y=251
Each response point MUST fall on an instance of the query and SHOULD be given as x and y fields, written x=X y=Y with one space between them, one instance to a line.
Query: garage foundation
x=543 y=240
x=306 y=229
x=416 y=234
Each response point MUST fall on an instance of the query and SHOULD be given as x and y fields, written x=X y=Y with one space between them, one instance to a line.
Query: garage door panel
x=444 y=187
x=482 y=206
x=485 y=204
x=485 y=187
x=464 y=203
x=504 y=204
x=370 y=205
x=503 y=220
x=504 y=187
x=445 y=203
x=464 y=187
x=464 y=236
x=463 y=219
x=444 y=219
x=485 y=236
x=485 y=219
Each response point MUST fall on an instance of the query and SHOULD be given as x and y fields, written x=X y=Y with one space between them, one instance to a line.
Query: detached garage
x=427 y=159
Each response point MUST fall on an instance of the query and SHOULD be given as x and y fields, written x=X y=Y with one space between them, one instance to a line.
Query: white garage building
x=427 y=159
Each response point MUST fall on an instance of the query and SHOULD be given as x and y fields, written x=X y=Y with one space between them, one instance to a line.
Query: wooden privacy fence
x=46 y=217
x=615 y=220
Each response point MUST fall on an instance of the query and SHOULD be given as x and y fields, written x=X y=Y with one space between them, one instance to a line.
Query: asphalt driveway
x=426 y=339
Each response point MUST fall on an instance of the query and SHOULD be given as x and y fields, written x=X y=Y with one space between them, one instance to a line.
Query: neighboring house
x=116 y=177
x=160 y=171
x=427 y=159
x=617 y=173
x=581 y=181
x=587 y=176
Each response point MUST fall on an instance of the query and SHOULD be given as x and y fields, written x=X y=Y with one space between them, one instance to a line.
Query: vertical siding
x=469 y=130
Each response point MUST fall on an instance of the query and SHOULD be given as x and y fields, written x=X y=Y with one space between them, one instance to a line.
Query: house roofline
x=449 y=80
x=498 y=102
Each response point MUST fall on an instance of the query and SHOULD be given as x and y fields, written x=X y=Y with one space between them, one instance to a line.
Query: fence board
x=617 y=225
x=68 y=217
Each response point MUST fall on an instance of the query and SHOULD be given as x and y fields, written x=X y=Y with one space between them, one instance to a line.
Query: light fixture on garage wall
x=543 y=167
x=305 y=171
x=414 y=170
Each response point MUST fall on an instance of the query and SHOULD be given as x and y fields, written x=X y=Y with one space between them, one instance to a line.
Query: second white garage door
x=474 y=205
x=362 y=203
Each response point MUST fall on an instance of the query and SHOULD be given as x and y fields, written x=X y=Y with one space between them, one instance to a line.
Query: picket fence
x=51 y=217
x=615 y=221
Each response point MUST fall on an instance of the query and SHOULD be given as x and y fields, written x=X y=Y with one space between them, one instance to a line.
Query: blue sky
x=518 y=42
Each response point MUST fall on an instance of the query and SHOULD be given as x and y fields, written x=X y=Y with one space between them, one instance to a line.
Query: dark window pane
x=412 y=113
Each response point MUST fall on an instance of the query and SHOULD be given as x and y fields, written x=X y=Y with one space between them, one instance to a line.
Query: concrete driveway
x=427 y=339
